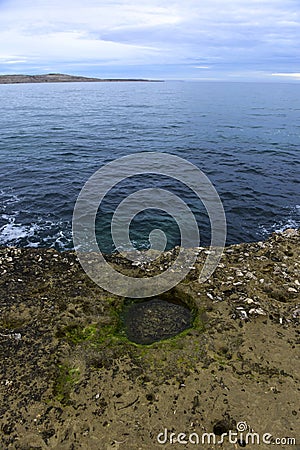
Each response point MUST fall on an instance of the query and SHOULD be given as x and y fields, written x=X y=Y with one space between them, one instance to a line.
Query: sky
x=251 y=40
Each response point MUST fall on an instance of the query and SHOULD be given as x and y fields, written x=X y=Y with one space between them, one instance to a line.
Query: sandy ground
x=71 y=380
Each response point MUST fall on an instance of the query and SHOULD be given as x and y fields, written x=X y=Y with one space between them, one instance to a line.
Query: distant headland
x=62 y=78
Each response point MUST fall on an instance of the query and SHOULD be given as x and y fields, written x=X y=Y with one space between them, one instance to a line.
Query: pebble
x=257 y=311
x=250 y=275
x=242 y=313
x=16 y=336
x=296 y=313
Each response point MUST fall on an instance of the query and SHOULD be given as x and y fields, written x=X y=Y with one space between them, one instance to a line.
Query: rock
x=258 y=311
x=71 y=378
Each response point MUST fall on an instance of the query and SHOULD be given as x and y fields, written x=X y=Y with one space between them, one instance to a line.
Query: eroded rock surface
x=154 y=320
x=71 y=380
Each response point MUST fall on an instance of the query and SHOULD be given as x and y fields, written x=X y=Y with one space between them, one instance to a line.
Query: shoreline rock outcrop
x=71 y=379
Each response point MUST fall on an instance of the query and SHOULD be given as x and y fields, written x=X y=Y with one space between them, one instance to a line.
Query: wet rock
x=153 y=320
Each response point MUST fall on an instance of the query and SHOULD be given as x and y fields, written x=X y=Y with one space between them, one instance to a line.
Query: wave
x=43 y=233
x=13 y=232
x=291 y=221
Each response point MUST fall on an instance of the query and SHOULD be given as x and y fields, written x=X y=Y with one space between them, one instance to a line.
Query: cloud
x=261 y=36
x=294 y=76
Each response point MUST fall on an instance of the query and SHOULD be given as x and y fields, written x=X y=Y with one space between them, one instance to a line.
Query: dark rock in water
x=156 y=319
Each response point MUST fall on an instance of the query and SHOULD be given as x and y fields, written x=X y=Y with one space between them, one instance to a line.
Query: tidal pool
x=155 y=319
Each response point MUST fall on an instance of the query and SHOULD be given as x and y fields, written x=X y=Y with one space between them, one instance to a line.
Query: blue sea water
x=244 y=136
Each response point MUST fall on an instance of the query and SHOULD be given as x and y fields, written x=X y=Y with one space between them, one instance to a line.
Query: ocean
x=244 y=136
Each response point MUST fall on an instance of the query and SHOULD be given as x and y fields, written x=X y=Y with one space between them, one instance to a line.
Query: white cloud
x=295 y=76
x=261 y=36
x=13 y=61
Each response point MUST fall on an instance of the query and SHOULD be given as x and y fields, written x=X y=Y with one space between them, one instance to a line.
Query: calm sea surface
x=244 y=136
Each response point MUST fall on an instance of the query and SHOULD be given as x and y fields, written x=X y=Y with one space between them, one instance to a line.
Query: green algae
x=92 y=334
x=66 y=380
x=101 y=345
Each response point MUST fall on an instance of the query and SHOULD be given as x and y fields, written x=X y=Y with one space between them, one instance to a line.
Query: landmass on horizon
x=61 y=78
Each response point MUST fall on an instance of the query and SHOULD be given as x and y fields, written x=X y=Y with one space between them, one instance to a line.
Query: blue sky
x=187 y=39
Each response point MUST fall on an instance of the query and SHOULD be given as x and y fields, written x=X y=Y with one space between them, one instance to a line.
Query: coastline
x=71 y=378
x=63 y=78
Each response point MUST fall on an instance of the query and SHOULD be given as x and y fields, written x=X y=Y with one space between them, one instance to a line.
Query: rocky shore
x=59 y=78
x=70 y=378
